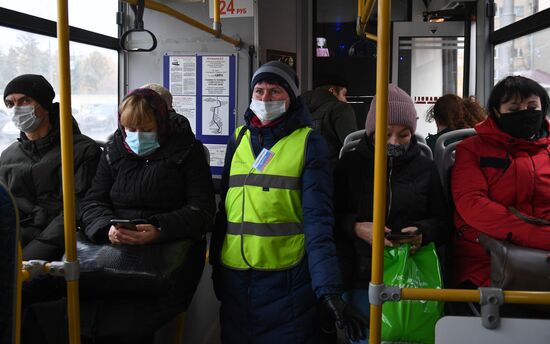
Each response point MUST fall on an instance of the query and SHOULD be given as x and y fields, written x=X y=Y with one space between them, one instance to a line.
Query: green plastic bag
x=411 y=321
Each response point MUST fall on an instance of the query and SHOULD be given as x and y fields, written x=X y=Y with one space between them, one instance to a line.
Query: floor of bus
x=201 y=324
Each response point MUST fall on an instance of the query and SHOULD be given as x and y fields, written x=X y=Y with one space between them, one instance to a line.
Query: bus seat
x=444 y=156
x=425 y=150
x=355 y=136
x=420 y=138
x=444 y=141
x=459 y=330
x=352 y=140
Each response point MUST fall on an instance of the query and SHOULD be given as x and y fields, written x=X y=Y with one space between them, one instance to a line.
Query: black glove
x=346 y=317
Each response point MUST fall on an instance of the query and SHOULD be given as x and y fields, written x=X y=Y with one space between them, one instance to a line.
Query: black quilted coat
x=32 y=172
x=414 y=198
x=171 y=188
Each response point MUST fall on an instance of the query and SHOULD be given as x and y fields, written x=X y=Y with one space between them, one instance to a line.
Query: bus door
x=428 y=61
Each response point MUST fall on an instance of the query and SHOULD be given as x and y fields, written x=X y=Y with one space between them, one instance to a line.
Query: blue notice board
x=204 y=91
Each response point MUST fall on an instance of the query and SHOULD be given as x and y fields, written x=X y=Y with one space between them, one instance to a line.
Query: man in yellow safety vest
x=274 y=256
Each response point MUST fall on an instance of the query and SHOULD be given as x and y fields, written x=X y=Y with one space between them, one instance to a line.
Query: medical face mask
x=268 y=111
x=395 y=151
x=521 y=124
x=141 y=142
x=24 y=118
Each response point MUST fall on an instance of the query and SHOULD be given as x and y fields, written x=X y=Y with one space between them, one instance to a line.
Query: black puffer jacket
x=333 y=118
x=32 y=172
x=415 y=193
x=171 y=187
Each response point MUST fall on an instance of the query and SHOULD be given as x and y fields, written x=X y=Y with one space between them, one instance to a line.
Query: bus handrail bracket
x=380 y=293
x=490 y=300
x=69 y=270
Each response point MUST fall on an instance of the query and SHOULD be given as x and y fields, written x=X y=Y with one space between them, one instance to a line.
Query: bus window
x=94 y=77
x=526 y=56
x=510 y=11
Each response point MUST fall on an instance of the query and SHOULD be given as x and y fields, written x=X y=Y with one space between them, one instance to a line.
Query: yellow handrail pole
x=360 y=5
x=67 y=167
x=380 y=161
x=367 y=10
x=371 y=36
x=178 y=15
x=465 y=295
x=21 y=276
x=217 y=25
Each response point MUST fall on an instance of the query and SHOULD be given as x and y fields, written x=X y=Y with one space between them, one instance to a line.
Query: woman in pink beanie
x=415 y=201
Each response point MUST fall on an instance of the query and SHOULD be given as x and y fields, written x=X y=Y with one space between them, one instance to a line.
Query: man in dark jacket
x=275 y=256
x=331 y=114
x=31 y=167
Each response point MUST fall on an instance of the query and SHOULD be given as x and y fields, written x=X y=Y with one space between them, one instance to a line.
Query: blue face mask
x=142 y=142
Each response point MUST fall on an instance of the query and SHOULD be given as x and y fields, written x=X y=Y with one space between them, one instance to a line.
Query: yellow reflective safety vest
x=264 y=205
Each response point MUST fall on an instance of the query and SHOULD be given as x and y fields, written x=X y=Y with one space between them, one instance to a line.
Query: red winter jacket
x=493 y=172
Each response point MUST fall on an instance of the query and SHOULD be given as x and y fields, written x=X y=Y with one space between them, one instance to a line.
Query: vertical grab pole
x=18 y=290
x=217 y=25
x=67 y=169
x=380 y=161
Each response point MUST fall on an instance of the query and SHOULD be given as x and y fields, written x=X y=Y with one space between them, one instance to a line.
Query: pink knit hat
x=401 y=110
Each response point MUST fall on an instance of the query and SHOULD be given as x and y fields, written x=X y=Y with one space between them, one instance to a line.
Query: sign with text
x=233 y=8
x=204 y=91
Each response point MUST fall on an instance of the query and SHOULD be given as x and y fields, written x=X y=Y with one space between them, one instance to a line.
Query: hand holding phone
x=400 y=236
x=126 y=224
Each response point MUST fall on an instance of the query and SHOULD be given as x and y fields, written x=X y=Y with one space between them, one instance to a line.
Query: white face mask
x=24 y=118
x=268 y=111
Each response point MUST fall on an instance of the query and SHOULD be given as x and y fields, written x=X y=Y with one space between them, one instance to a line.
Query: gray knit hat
x=401 y=110
x=163 y=93
x=280 y=72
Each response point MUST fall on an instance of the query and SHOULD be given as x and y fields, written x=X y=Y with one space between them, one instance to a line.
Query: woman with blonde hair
x=154 y=170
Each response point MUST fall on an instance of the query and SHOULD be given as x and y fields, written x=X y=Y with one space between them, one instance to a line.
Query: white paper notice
x=217 y=154
x=215 y=76
x=187 y=106
x=183 y=70
x=215 y=115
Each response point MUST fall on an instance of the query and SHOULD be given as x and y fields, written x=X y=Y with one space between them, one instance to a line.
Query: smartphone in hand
x=126 y=224
x=400 y=236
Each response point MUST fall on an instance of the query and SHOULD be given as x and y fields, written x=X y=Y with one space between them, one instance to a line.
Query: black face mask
x=396 y=151
x=521 y=124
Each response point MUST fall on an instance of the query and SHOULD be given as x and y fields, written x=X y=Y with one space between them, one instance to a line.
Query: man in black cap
x=31 y=167
x=274 y=259
x=330 y=113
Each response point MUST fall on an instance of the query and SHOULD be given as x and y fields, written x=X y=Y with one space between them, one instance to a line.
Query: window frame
x=523 y=27
x=25 y=22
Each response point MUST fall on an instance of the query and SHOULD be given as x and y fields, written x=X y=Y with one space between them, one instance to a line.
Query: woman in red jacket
x=501 y=178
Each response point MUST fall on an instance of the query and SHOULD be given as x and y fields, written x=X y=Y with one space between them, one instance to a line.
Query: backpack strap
x=241 y=134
